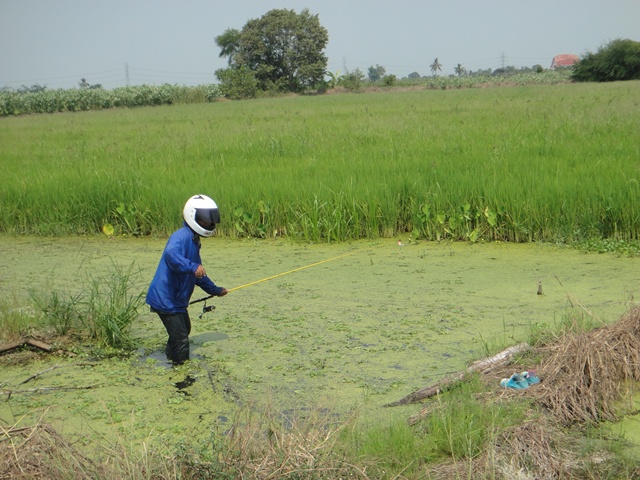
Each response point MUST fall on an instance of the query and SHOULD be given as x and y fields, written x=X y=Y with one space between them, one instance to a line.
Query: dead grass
x=276 y=446
x=584 y=374
x=534 y=446
x=40 y=452
x=262 y=446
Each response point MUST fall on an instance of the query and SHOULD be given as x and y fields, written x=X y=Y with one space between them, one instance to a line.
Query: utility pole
x=502 y=57
x=126 y=73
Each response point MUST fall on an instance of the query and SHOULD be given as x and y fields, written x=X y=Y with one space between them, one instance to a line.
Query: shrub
x=618 y=60
x=389 y=80
x=237 y=83
x=352 y=81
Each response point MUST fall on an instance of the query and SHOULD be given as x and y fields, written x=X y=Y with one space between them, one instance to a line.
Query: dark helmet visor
x=207 y=218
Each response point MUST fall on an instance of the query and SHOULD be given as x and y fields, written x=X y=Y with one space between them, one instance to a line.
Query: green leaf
x=107 y=229
x=492 y=216
x=263 y=207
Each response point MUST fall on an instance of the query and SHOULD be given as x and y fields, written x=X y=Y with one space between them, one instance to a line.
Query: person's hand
x=200 y=272
x=223 y=292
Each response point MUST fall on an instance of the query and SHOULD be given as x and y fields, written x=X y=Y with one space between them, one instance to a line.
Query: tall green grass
x=531 y=163
x=103 y=310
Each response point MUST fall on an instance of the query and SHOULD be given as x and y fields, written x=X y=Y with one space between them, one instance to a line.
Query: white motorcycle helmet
x=201 y=214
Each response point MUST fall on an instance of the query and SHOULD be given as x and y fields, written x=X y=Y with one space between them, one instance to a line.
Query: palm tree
x=435 y=67
x=459 y=70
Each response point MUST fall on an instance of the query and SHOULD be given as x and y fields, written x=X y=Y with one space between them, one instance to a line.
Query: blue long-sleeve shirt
x=175 y=279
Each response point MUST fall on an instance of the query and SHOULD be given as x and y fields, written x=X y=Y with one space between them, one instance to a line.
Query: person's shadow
x=203 y=338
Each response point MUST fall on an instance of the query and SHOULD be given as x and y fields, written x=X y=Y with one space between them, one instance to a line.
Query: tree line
x=283 y=52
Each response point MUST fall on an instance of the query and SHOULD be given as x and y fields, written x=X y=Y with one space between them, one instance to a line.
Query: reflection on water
x=187 y=382
x=159 y=356
x=208 y=337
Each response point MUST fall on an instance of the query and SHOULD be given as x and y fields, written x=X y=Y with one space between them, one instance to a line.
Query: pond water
x=347 y=332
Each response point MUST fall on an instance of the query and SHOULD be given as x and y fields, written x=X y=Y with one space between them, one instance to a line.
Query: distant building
x=564 y=60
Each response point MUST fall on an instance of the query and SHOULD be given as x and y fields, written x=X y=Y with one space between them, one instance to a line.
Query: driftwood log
x=481 y=366
x=5 y=347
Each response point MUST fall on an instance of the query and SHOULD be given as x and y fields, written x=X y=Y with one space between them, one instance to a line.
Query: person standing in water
x=179 y=271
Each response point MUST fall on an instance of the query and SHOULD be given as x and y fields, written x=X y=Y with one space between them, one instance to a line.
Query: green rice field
x=555 y=163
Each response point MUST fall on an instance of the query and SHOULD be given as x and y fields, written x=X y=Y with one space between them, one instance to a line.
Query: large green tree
x=618 y=60
x=283 y=49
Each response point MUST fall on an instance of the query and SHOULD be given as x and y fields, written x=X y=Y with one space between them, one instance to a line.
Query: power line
x=134 y=75
x=46 y=79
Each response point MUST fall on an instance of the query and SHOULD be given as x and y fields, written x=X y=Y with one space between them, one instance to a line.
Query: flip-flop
x=517 y=382
x=531 y=377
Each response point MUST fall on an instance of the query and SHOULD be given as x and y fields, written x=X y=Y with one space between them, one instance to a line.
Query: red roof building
x=564 y=60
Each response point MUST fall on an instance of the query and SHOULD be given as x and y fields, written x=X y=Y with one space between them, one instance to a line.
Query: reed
x=103 y=310
x=526 y=163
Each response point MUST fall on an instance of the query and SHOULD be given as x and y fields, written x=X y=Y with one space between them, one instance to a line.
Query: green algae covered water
x=348 y=332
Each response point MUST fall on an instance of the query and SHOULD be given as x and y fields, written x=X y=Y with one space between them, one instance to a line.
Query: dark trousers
x=178 y=326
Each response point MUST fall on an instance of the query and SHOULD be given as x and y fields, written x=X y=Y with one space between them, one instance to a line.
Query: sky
x=56 y=43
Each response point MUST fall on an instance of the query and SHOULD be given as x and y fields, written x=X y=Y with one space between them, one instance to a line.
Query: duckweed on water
x=354 y=333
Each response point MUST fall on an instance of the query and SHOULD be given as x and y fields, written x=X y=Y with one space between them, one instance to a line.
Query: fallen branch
x=44 y=389
x=482 y=366
x=25 y=341
x=36 y=375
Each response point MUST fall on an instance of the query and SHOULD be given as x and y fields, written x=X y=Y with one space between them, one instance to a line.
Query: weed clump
x=104 y=311
x=584 y=373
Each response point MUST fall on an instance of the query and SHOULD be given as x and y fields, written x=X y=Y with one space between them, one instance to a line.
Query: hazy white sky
x=58 y=42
